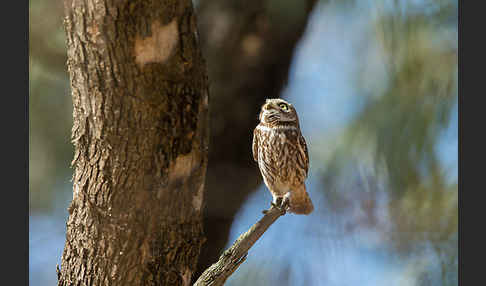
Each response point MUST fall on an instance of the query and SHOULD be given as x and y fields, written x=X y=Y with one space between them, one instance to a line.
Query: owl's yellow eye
x=283 y=106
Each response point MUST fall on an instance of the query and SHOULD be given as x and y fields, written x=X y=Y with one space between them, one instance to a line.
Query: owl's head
x=277 y=111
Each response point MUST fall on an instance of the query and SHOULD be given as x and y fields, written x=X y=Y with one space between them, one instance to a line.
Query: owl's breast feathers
x=281 y=153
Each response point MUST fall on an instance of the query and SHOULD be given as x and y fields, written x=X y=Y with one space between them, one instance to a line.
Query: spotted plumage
x=281 y=153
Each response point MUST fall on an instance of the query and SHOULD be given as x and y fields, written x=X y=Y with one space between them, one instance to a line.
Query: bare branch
x=231 y=259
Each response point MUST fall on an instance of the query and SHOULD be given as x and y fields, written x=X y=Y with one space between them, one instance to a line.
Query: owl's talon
x=285 y=203
x=273 y=204
x=276 y=202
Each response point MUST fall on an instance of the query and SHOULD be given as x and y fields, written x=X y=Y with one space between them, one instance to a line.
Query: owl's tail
x=300 y=202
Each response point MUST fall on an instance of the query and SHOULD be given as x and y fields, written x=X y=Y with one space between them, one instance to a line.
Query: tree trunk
x=140 y=98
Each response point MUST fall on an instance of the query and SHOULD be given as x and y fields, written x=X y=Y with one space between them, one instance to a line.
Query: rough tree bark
x=140 y=98
x=249 y=46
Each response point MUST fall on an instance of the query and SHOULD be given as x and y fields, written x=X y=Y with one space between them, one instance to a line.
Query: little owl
x=281 y=153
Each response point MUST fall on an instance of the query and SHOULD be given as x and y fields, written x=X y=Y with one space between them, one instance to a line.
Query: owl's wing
x=303 y=153
x=255 y=145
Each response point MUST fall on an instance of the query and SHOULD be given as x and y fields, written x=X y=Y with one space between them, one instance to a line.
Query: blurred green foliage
x=50 y=119
x=396 y=133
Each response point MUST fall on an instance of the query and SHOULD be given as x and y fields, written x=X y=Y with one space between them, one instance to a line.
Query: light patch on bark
x=205 y=101
x=182 y=167
x=157 y=48
x=180 y=170
x=186 y=277
x=198 y=198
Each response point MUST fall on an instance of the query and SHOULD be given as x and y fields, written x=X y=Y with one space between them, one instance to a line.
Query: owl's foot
x=276 y=203
x=285 y=205
x=281 y=204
